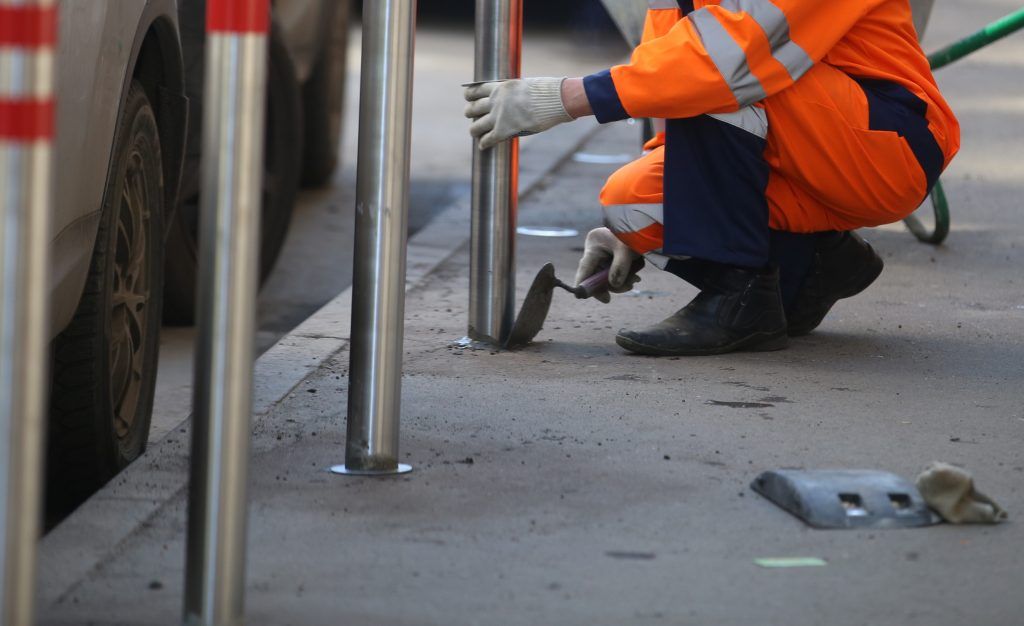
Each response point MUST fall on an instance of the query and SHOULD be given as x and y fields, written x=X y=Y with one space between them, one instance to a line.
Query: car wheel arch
x=158 y=65
x=156 y=62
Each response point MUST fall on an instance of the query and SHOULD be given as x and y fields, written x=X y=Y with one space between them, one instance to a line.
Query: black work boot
x=843 y=266
x=737 y=309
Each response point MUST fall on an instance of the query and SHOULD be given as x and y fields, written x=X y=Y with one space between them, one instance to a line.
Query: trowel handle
x=598 y=282
x=594 y=284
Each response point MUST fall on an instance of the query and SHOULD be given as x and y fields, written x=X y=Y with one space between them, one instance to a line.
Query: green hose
x=993 y=32
x=954 y=52
x=940 y=207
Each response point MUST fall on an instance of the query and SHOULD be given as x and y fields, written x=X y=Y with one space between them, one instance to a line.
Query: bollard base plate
x=345 y=471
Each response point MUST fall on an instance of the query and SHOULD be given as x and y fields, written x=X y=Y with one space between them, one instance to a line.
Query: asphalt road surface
x=316 y=263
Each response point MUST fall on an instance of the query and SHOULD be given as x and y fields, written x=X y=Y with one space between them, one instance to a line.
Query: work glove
x=514 y=108
x=949 y=491
x=603 y=249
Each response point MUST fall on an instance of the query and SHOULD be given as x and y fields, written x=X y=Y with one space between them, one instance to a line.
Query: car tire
x=281 y=177
x=323 y=99
x=105 y=361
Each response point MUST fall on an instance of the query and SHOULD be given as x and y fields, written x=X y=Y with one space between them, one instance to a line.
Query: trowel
x=538 y=301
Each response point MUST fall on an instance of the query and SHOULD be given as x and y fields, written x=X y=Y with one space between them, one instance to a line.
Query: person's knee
x=625 y=218
x=613 y=217
x=638 y=226
x=637 y=182
x=616 y=190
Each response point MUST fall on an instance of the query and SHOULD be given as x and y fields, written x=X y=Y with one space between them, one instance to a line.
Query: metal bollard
x=27 y=40
x=233 y=127
x=492 y=287
x=382 y=208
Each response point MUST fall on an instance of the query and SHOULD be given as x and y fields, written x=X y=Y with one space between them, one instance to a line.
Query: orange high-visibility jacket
x=728 y=54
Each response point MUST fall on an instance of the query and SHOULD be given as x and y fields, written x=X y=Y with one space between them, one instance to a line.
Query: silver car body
x=99 y=44
x=303 y=24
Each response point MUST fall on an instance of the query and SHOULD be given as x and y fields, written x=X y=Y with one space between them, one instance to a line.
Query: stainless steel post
x=382 y=207
x=26 y=162
x=492 y=287
x=233 y=126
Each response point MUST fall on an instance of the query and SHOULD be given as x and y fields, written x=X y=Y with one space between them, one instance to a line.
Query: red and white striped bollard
x=28 y=34
x=232 y=167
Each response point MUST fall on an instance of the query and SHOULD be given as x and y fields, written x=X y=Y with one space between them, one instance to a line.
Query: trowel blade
x=534 y=310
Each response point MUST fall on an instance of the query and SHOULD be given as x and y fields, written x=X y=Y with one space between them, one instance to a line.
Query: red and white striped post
x=28 y=33
x=233 y=123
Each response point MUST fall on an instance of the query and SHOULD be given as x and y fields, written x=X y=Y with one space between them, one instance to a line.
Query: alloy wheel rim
x=131 y=297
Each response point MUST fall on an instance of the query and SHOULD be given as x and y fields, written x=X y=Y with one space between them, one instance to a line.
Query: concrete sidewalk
x=571 y=483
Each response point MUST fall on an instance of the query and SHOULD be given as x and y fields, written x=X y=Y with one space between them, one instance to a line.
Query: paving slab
x=572 y=483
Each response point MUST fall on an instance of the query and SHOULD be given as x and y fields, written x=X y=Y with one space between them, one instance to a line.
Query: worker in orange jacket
x=789 y=123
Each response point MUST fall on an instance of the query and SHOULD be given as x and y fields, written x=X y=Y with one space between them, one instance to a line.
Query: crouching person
x=789 y=123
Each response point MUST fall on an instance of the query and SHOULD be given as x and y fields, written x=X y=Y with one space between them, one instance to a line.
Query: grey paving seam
x=94 y=533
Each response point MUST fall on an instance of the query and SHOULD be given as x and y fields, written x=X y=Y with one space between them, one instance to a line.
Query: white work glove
x=514 y=108
x=949 y=491
x=603 y=249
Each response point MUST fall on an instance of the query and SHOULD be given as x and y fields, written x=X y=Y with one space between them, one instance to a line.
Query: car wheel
x=105 y=361
x=282 y=164
x=323 y=97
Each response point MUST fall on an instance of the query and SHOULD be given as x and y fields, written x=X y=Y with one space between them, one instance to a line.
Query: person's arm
x=723 y=57
x=574 y=98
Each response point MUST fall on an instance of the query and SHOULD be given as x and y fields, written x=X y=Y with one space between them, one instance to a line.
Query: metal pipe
x=492 y=287
x=26 y=169
x=232 y=169
x=382 y=207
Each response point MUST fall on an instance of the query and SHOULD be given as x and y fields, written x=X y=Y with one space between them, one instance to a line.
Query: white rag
x=949 y=491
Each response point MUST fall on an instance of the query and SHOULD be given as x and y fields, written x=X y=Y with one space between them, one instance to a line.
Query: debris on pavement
x=949 y=491
x=788 y=562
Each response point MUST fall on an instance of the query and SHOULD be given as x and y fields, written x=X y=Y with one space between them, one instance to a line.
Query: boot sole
x=761 y=342
x=870 y=276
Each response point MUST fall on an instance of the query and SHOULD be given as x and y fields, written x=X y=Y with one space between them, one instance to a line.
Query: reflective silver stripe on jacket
x=728 y=57
x=752 y=119
x=773 y=22
x=655 y=5
x=632 y=218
